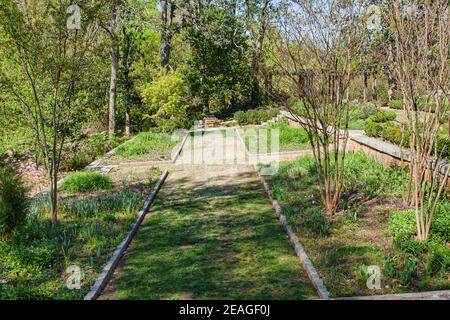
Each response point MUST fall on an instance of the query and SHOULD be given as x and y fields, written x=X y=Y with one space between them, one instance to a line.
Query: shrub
x=439 y=260
x=409 y=271
x=240 y=117
x=373 y=129
x=316 y=222
x=367 y=110
x=393 y=133
x=383 y=116
x=395 y=104
x=164 y=99
x=13 y=201
x=443 y=146
x=86 y=182
x=252 y=116
x=402 y=225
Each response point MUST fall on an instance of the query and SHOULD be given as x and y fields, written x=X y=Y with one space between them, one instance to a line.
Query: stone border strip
x=392 y=150
x=299 y=250
x=108 y=270
x=436 y=295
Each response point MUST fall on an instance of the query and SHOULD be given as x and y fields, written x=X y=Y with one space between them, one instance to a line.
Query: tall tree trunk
x=126 y=80
x=392 y=83
x=374 y=87
x=113 y=53
x=167 y=16
x=257 y=36
x=366 y=86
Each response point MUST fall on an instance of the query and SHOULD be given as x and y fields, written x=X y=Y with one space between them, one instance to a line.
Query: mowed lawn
x=211 y=236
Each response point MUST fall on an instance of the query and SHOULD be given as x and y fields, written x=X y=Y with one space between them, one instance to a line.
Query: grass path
x=211 y=235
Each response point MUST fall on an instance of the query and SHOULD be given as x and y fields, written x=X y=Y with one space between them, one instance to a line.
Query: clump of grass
x=86 y=182
x=147 y=143
x=291 y=139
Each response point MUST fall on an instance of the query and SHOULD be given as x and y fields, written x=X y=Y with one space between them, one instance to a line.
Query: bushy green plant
x=252 y=116
x=86 y=181
x=443 y=147
x=409 y=271
x=383 y=116
x=13 y=200
x=316 y=222
x=395 y=104
x=366 y=110
x=240 y=118
x=373 y=129
x=164 y=99
x=394 y=134
x=439 y=259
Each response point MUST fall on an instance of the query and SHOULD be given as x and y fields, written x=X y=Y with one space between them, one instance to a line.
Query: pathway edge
x=108 y=270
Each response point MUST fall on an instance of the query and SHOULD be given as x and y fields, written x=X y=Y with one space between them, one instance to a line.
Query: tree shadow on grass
x=213 y=241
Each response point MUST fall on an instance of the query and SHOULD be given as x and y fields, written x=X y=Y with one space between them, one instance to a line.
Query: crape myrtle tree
x=420 y=30
x=45 y=48
x=320 y=38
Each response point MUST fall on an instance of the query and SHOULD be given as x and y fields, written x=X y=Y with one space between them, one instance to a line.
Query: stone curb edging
x=434 y=295
x=299 y=250
x=180 y=148
x=92 y=166
x=108 y=270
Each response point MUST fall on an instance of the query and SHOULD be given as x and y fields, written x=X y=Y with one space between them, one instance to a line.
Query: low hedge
x=255 y=116
x=423 y=105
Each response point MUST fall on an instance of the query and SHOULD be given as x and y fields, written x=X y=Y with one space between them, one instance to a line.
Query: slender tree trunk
x=167 y=16
x=258 y=37
x=374 y=87
x=392 y=84
x=366 y=87
x=113 y=53
x=126 y=80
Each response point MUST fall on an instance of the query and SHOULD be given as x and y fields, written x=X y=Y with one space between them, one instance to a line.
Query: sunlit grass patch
x=151 y=144
x=290 y=138
x=86 y=181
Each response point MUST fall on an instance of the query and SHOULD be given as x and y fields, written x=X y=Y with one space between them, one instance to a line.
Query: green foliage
x=404 y=227
x=383 y=116
x=164 y=99
x=240 y=118
x=439 y=260
x=394 y=134
x=147 y=143
x=366 y=110
x=396 y=104
x=373 y=129
x=13 y=201
x=217 y=70
x=79 y=153
x=443 y=147
x=390 y=132
x=316 y=222
x=409 y=271
x=86 y=181
x=369 y=177
x=255 y=116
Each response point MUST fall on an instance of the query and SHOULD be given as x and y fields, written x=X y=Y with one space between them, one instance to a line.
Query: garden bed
x=291 y=139
x=90 y=225
x=371 y=228
x=145 y=147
